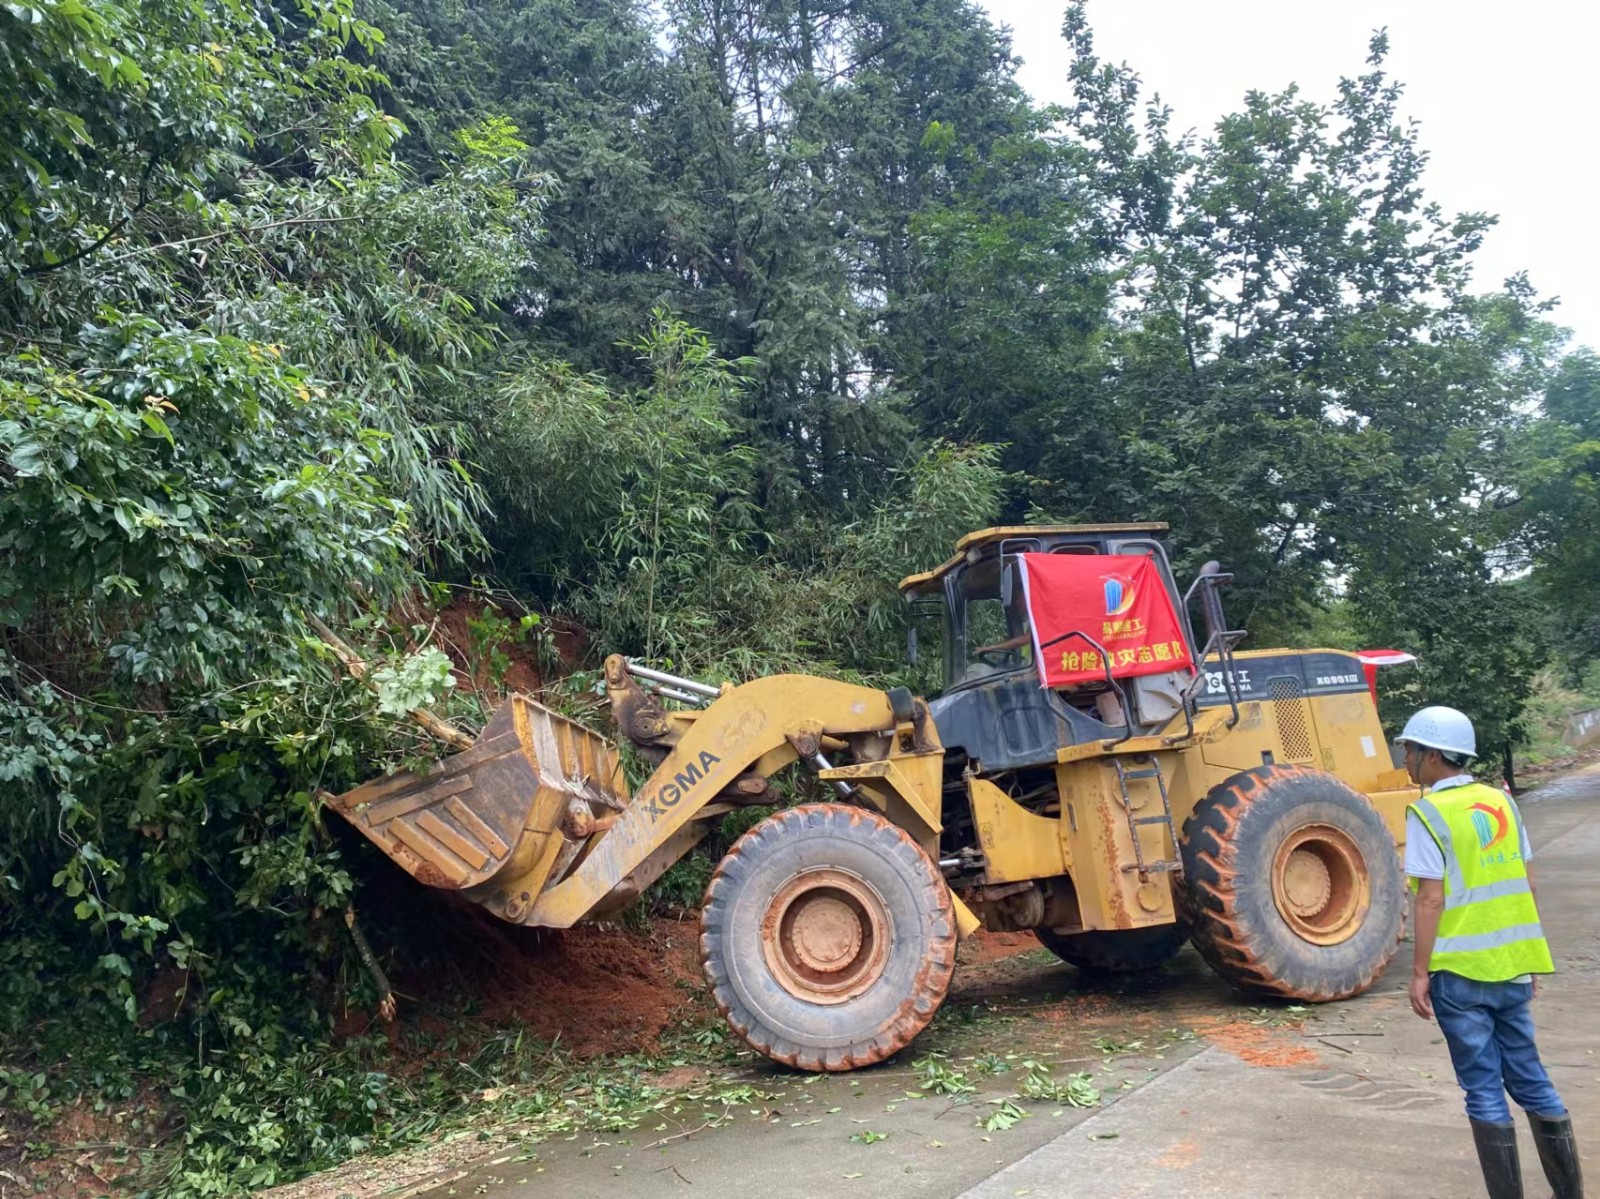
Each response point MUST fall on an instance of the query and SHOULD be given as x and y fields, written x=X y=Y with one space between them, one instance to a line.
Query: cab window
x=992 y=634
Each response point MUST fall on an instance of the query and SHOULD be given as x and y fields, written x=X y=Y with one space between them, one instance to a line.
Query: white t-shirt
x=1424 y=858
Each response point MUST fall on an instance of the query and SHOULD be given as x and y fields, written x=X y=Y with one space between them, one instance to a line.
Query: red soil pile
x=595 y=989
x=590 y=990
x=598 y=989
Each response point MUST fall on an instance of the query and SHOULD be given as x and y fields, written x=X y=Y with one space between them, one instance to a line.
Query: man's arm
x=1429 y=906
x=1017 y=642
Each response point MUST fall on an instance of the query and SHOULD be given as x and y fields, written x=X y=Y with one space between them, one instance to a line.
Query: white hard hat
x=1443 y=729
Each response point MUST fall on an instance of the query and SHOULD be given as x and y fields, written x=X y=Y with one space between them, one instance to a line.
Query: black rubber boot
x=1558 y=1154
x=1497 y=1154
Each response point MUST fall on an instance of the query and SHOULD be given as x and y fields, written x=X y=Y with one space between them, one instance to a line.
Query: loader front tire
x=1117 y=951
x=828 y=937
x=1293 y=884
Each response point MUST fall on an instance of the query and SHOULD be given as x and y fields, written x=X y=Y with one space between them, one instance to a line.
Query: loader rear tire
x=1293 y=884
x=1117 y=951
x=828 y=937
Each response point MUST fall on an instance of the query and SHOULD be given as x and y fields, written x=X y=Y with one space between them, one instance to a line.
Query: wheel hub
x=826 y=935
x=1320 y=884
x=1307 y=885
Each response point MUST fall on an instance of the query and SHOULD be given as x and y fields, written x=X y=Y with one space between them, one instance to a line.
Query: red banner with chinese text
x=1119 y=600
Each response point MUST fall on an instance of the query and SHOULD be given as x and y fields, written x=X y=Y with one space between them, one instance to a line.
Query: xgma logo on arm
x=669 y=794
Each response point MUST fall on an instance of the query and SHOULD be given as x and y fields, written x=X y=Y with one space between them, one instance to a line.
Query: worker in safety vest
x=1479 y=946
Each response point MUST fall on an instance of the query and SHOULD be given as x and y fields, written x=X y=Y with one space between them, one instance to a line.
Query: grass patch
x=260 y=1117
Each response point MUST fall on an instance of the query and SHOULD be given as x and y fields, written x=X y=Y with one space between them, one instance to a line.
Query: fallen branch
x=436 y=725
x=678 y=1136
x=386 y=1005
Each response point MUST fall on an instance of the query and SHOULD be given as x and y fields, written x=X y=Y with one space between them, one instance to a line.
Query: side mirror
x=911 y=644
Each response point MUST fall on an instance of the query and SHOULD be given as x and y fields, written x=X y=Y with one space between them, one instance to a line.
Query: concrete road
x=1347 y=1100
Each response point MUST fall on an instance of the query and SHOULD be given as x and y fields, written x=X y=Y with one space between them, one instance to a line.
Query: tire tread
x=932 y=979
x=1230 y=932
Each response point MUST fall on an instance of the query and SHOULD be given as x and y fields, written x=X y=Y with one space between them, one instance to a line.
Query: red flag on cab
x=1118 y=600
x=1371 y=659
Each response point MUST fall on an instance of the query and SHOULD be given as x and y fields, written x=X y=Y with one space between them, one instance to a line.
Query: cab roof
x=965 y=548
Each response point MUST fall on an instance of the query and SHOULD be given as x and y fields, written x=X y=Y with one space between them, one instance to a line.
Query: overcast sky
x=1506 y=117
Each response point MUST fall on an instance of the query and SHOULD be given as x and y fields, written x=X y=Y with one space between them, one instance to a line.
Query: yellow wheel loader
x=1245 y=801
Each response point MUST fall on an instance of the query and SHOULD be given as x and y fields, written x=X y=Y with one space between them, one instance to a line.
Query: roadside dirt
x=606 y=990
x=597 y=990
x=1257 y=1045
x=453 y=633
x=609 y=992
x=598 y=993
x=93 y=1153
x=985 y=946
x=1529 y=777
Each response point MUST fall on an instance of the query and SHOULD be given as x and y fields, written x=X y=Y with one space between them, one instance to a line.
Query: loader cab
x=991 y=705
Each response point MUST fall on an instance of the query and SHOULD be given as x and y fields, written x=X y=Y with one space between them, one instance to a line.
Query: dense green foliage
x=699 y=324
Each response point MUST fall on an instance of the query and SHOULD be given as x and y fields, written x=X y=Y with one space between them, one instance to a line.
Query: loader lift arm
x=748 y=732
x=535 y=822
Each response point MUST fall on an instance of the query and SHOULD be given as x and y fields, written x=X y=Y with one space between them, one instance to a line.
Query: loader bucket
x=496 y=820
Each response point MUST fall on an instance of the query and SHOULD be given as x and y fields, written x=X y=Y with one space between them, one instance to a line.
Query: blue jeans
x=1489 y=1030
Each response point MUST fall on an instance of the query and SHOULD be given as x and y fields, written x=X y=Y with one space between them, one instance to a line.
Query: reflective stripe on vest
x=1475 y=941
x=1510 y=886
x=1489 y=929
x=1435 y=821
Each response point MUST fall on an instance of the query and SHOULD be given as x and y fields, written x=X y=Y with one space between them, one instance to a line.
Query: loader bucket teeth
x=497 y=810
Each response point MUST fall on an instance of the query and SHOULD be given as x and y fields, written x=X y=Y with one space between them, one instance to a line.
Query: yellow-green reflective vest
x=1489 y=930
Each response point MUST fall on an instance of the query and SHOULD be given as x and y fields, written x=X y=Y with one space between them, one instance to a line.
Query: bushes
x=234 y=326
